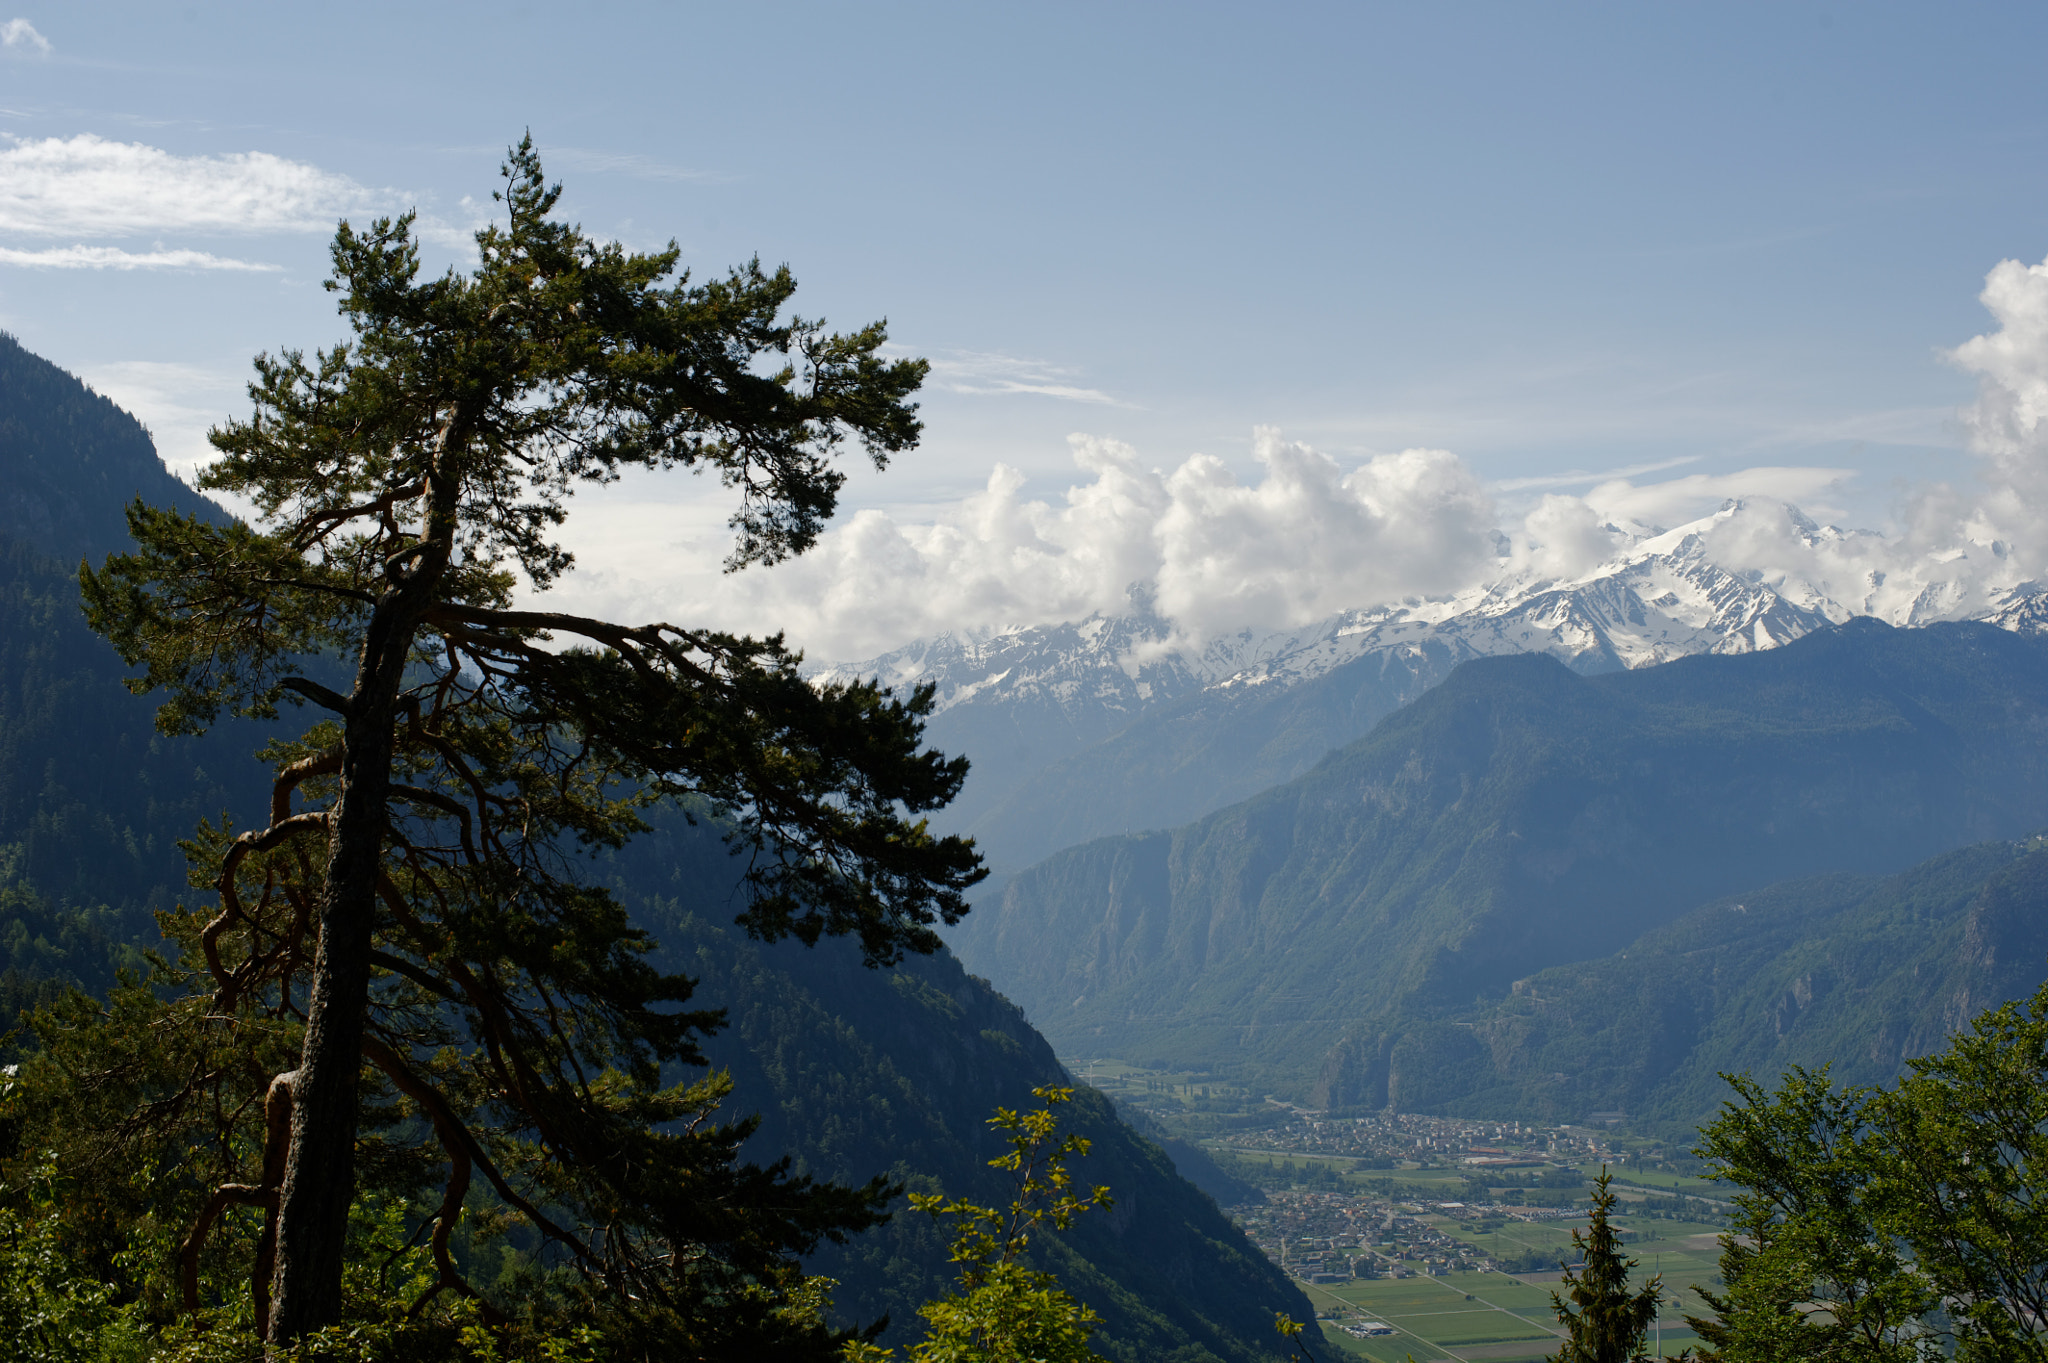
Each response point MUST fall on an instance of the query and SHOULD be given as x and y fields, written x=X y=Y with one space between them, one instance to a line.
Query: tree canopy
x=1891 y=1223
x=408 y=923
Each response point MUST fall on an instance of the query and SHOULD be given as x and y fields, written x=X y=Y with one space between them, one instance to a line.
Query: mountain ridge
x=1112 y=724
x=1518 y=816
x=1858 y=972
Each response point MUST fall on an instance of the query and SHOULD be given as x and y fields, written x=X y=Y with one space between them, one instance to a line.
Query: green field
x=1196 y=1090
x=1505 y=1319
x=1660 y=1181
x=1444 y=1180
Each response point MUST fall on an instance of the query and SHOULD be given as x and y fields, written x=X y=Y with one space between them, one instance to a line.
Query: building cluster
x=1325 y=1237
x=1427 y=1140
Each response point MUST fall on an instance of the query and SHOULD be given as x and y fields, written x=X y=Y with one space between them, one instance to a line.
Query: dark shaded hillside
x=1861 y=972
x=862 y=1072
x=92 y=799
x=71 y=461
x=1517 y=817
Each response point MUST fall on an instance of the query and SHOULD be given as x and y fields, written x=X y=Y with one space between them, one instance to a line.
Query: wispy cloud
x=1581 y=478
x=1677 y=500
x=89 y=186
x=995 y=375
x=113 y=258
x=20 y=35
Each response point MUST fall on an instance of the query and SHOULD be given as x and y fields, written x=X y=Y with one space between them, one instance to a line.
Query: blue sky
x=1557 y=240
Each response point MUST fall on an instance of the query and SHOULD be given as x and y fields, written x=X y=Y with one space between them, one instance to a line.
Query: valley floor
x=1435 y=1238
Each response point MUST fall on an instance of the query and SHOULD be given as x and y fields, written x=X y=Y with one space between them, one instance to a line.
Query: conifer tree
x=1604 y=1322
x=410 y=909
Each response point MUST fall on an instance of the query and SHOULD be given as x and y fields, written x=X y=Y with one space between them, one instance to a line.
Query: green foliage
x=1962 y=1144
x=1806 y=1273
x=1003 y=1311
x=1604 y=1322
x=1892 y=1223
x=419 y=925
x=52 y=1310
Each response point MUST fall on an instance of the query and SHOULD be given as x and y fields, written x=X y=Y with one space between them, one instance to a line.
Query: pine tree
x=418 y=917
x=1604 y=1322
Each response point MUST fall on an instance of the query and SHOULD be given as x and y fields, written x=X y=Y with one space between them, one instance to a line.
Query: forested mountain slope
x=1516 y=817
x=1858 y=972
x=896 y=1071
x=92 y=800
x=71 y=462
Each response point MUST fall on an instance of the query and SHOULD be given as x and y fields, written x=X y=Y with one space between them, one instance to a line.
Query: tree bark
x=319 y=1176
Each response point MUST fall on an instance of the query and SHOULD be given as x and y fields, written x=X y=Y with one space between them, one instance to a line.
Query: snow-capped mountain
x=1118 y=722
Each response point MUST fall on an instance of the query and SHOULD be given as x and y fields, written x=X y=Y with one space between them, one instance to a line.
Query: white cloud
x=1309 y=537
x=89 y=186
x=1562 y=538
x=984 y=374
x=20 y=33
x=1581 y=478
x=1306 y=538
x=113 y=258
x=177 y=402
x=2008 y=423
x=1682 y=499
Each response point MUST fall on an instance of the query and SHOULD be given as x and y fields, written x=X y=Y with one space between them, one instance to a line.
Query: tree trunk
x=319 y=1176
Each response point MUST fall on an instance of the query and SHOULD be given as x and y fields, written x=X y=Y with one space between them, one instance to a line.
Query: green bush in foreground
x=1005 y=1311
x=1885 y=1225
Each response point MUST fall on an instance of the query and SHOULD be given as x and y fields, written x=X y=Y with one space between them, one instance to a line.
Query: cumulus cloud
x=1309 y=537
x=1306 y=538
x=19 y=35
x=90 y=186
x=114 y=258
x=2008 y=423
x=1562 y=538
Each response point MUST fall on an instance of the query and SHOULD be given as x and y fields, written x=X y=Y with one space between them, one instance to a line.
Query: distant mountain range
x=1516 y=817
x=1113 y=724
